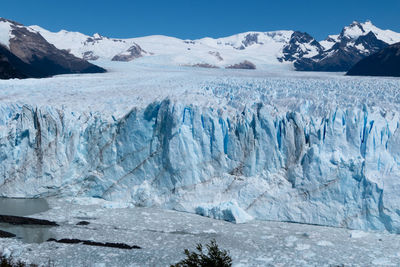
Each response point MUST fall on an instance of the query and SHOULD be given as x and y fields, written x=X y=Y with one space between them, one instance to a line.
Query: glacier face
x=330 y=164
x=340 y=171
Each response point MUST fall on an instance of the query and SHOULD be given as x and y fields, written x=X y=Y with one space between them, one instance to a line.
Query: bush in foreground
x=214 y=257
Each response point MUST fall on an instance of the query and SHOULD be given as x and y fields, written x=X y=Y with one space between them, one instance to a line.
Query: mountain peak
x=353 y=31
x=368 y=22
x=10 y=21
x=97 y=36
x=357 y=29
x=357 y=23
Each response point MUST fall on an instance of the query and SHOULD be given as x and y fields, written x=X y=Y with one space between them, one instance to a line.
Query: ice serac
x=338 y=169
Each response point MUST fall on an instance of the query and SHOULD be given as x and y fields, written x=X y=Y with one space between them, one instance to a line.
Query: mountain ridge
x=283 y=49
x=297 y=49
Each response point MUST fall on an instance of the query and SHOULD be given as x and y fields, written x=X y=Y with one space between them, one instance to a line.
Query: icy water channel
x=25 y=207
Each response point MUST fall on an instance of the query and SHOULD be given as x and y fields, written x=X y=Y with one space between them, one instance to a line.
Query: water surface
x=25 y=207
x=22 y=206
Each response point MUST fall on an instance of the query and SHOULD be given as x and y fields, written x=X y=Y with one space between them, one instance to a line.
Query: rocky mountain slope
x=384 y=63
x=13 y=67
x=24 y=53
x=354 y=43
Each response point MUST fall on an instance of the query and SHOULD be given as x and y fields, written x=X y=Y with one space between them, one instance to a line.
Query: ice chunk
x=227 y=211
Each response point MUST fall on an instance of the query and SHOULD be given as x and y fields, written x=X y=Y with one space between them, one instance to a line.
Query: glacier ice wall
x=339 y=169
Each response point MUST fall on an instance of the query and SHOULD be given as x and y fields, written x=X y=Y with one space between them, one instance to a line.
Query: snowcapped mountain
x=249 y=50
x=357 y=29
x=87 y=47
x=342 y=51
x=262 y=49
x=25 y=53
x=259 y=48
x=219 y=52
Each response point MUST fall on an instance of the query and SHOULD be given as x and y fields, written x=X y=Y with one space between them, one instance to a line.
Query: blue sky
x=193 y=19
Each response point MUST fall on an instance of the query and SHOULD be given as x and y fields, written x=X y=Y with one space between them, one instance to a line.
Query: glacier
x=233 y=145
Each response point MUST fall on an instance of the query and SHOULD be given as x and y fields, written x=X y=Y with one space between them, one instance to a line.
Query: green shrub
x=214 y=257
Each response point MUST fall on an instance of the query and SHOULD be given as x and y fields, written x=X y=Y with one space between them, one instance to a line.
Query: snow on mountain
x=5 y=33
x=343 y=51
x=84 y=46
x=300 y=45
x=217 y=52
x=329 y=42
x=357 y=29
x=263 y=49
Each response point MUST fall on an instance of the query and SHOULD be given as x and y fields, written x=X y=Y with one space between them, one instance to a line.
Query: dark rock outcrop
x=370 y=43
x=340 y=60
x=300 y=45
x=93 y=243
x=132 y=53
x=204 y=65
x=83 y=223
x=245 y=65
x=18 y=220
x=384 y=63
x=4 y=234
x=89 y=55
x=250 y=39
x=216 y=54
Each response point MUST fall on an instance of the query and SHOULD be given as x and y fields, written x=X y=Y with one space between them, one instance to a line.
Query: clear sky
x=191 y=19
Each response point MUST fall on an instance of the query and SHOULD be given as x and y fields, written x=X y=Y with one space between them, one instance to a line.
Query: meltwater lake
x=25 y=207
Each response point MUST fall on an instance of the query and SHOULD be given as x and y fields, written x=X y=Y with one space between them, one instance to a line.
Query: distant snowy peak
x=365 y=36
x=357 y=29
x=242 y=41
x=341 y=52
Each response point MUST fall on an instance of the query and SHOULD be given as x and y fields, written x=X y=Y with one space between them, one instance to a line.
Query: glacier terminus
x=228 y=144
